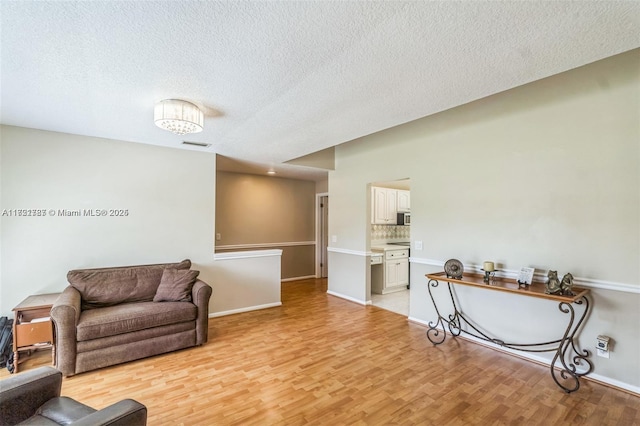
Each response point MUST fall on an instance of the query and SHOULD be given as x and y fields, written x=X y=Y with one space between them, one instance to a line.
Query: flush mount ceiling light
x=179 y=117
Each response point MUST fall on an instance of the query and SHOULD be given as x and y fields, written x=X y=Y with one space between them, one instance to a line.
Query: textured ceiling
x=280 y=80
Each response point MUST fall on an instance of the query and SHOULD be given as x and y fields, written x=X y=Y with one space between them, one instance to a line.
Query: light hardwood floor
x=322 y=360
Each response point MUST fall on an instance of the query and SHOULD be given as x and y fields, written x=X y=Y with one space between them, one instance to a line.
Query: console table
x=574 y=363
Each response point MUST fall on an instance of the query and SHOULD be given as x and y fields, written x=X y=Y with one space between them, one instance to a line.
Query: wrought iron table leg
x=570 y=362
x=455 y=319
x=433 y=326
x=453 y=322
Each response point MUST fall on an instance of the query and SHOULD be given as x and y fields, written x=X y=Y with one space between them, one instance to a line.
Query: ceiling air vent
x=198 y=144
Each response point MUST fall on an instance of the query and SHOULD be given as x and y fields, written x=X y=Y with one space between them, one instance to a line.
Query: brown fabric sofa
x=108 y=316
x=33 y=398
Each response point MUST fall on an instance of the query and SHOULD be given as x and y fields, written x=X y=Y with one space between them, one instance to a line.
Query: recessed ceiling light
x=271 y=172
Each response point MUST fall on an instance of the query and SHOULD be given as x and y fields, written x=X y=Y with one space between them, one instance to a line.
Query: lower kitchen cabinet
x=393 y=274
x=397 y=273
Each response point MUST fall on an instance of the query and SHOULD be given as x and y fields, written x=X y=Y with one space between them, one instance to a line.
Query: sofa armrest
x=127 y=412
x=65 y=314
x=22 y=394
x=200 y=295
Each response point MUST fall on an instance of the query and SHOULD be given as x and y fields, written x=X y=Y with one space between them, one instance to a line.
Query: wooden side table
x=32 y=326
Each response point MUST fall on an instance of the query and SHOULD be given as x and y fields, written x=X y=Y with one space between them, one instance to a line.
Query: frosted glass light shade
x=179 y=117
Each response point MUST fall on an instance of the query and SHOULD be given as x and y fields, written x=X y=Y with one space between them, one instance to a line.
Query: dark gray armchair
x=33 y=398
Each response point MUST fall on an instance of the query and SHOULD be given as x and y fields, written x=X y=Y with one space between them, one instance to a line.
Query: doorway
x=390 y=240
x=322 y=237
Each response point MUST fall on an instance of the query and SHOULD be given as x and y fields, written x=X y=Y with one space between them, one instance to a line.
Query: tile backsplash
x=390 y=232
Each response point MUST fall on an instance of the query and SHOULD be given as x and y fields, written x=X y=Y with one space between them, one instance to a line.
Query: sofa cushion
x=111 y=286
x=175 y=285
x=107 y=343
x=127 y=317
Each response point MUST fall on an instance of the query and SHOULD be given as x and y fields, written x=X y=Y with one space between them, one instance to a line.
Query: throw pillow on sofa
x=175 y=285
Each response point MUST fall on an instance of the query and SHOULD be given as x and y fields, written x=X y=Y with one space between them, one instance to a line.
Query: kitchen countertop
x=387 y=247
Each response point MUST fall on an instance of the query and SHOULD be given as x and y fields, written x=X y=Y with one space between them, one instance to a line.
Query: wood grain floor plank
x=322 y=360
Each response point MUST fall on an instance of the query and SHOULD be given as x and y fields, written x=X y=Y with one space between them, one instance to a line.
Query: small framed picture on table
x=525 y=276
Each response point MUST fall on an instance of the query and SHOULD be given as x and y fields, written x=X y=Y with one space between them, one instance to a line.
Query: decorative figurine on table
x=566 y=284
x=453 y=268
x=553 y=285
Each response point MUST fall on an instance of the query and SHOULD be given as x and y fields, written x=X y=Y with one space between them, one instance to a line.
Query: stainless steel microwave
x=404 y=218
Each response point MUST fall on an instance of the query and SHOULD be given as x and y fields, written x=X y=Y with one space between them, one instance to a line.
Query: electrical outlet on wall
x=218 y=237
x=418 y=245
x=603 y=346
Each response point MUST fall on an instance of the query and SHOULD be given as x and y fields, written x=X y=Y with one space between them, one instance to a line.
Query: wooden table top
x=536 y=289
x=37 y=301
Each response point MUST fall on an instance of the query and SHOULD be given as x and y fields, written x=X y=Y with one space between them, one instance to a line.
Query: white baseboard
x=247 y=309
x=418 y=321
x=607 y=381
x=306 y=277
x=349 y=298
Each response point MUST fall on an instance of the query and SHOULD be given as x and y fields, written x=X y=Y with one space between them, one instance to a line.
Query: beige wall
x=168 y=195
x=545 y=175
x=268 y=212
x=322 y=186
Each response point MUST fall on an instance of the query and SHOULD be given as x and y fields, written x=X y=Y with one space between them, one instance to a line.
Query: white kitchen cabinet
x=396 y=269
x=403 y=200
x=394 y=274
x=397 y=274
x=384 y=206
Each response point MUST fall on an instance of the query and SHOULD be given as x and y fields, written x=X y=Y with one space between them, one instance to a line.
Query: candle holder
x=488 y=268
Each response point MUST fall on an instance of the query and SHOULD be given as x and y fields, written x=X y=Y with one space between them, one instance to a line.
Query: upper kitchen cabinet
x=384 y=206
x=386 y=203
x=403 y=200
